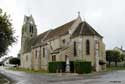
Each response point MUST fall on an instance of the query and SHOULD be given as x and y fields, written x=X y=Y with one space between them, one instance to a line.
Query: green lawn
x=115 y=68
x=28 y=70
x=2 y=79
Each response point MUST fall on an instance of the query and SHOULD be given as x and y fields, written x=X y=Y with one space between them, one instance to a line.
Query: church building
x=74 y=40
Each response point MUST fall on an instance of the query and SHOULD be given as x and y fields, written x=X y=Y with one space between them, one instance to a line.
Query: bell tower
x=29 y=30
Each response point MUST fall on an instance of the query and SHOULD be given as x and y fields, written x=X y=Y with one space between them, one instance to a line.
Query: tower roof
x=29 y=19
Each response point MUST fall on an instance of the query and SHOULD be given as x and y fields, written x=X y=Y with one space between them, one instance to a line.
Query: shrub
x=54 y=67
x=82 y=67
x=77 y=66
x=15 y=61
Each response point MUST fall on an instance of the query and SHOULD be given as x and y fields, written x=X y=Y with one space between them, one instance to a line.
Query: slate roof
x=61 y=30
x=85 y=29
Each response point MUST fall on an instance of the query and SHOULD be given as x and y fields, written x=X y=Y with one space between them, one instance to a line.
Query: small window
x=54 y=58
x=66 y=57
x=63 y=41
x=87 y=47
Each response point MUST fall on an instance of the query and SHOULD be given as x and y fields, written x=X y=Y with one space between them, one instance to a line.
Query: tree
x=116 y=57
x=122 y=57
x=109 y=56
x=113 y=56
x=15 y=61
x=6 y=33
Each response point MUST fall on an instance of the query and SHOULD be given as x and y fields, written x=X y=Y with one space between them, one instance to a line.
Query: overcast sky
x=106 y=16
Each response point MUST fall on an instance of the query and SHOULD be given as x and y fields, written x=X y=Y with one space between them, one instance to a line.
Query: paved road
x=116 y=77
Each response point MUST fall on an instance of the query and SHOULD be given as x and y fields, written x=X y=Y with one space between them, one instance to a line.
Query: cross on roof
x=78 y=13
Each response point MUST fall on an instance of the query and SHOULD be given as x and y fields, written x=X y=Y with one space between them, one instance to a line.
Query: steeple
x=29 y=27
x=78 y=13
x=79 y=17
x=77 y=21
x=29 y=30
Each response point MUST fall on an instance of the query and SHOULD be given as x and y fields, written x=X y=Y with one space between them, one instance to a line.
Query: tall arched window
x=31 y=28
x=87 y=47
x=75 y=49
x=36 y=53
x=43 y=52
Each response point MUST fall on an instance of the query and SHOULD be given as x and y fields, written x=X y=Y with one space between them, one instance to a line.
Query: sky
x=106 y=16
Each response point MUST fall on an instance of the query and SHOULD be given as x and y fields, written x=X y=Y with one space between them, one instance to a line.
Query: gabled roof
x=85 y=29
x=61 y=30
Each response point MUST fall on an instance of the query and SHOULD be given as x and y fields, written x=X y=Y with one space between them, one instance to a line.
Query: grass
x=115 y=68
x=2 y=79
x=28 y=70
x=120 y=66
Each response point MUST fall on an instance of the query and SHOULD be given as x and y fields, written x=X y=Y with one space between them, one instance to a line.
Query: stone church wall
x=26 y=60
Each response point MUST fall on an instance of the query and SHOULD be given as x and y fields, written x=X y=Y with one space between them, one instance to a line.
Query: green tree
x=6 y=33
x=122 y=57
x=109 y=56
x=116 y=57
x=113 y=56
x=15 y=61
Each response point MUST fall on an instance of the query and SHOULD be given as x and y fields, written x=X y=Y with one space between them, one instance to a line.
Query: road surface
x=115 y=77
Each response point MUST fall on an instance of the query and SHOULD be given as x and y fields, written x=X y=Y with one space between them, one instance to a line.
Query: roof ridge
x=45 y=36
x=82 y=27
x=65 y=24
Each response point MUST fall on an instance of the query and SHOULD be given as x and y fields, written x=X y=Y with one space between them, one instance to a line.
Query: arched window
x=31 y=28
x=36 y=54
x=54 y=58
x=43 y=52
x=66 y=57
x=75 y=50
x=87 y=47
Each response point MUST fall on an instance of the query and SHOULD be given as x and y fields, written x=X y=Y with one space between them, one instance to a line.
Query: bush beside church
x=78 y=67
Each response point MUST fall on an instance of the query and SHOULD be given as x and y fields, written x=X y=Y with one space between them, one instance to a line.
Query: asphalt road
x=115 y=77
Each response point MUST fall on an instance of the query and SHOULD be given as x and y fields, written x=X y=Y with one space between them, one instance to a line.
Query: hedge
x=75 y=66
x=82 y=67
x=54 y=67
